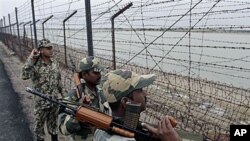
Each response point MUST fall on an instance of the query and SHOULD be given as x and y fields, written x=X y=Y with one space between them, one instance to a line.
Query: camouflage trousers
x=48 y=116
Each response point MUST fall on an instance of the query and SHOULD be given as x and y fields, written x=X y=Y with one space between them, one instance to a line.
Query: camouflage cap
x=44 y=43
x=120 y=83
x=89 y=63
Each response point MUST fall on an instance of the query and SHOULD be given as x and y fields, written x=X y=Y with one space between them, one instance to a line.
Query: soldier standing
x=44 y=72
x=89 y=70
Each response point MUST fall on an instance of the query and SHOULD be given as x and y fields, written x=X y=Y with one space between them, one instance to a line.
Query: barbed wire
x=185 y=46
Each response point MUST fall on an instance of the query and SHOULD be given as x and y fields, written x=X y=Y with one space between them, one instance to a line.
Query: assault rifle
x=83 y=113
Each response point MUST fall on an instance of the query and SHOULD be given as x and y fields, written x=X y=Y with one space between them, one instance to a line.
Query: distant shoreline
x=209 y=30
x=212 y=30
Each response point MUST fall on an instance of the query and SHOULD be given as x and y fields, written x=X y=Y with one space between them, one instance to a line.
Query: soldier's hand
x=34 y=54
x=87 y=99
x=164 y=131
x=73 y=125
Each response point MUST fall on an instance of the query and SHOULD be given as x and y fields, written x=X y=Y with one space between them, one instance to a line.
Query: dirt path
x=14 y=124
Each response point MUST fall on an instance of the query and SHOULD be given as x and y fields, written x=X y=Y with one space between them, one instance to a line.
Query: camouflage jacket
x=46 y=78
x=65 y=121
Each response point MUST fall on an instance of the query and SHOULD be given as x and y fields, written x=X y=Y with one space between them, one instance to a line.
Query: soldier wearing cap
x=121 y=87
x=45 y=74
x=89 y=71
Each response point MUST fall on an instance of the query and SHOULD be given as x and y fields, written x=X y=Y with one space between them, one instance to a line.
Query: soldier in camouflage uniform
x=44 y=72
x=89 y=71
x=122 y=86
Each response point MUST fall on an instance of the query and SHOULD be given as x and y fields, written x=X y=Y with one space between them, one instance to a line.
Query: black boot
x=54 y=137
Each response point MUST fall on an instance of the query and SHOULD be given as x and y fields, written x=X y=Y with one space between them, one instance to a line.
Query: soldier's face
x=92 y=77
x=139 y=96
x=47 y=51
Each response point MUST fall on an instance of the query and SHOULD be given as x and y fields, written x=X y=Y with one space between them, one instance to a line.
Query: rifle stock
x=76 y=78
x=97 y=119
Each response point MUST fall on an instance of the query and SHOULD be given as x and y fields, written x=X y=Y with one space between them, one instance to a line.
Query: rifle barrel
x=70 y=110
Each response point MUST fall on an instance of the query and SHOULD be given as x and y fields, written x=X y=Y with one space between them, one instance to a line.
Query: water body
x=216 y=56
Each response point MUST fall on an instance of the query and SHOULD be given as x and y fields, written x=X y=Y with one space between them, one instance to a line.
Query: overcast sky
x=8 y=6
x=233 y=18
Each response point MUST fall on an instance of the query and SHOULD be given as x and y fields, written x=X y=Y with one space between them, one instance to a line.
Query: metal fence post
x=1 y=29
x=10 y=24
x=1 y=25
x=89 y=27
x=18 y=32
x=44 y=23
x=34 y=22
x=4 y=25
x=24 y=33
x=31 y=35
x=10 y=36
x=64 y=35
x=14 y=36
x=5 y=31
x=13 y=29
x=113 y=31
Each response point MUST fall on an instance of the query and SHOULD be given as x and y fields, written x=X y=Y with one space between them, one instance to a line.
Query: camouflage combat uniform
x=67 y=124
x=115 y=85
x=46 y=78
